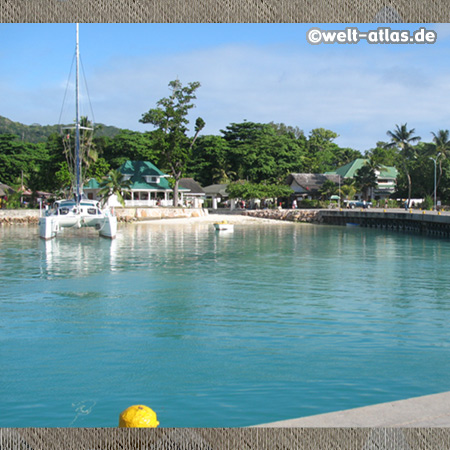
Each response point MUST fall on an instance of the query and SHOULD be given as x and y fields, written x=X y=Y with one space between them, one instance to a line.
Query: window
x=151 y=179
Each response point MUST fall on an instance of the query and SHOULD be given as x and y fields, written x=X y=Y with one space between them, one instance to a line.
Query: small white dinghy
x=223 y=226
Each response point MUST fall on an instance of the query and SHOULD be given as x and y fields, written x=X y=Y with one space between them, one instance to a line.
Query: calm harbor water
x=210 y=329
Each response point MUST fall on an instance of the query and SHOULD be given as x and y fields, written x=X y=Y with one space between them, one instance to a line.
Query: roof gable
x=350 y=169
x=139 y=171
x=191 y=185
x=92 y=184
x=216 y=189
x=140 y=168
x=310 y=182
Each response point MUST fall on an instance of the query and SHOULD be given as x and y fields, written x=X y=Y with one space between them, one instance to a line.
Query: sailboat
x=79 y=212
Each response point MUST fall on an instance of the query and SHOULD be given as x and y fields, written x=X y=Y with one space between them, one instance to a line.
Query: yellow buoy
x=138 y=416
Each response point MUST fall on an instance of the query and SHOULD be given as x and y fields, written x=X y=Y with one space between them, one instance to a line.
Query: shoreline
x=177 y=216
x=209 y=219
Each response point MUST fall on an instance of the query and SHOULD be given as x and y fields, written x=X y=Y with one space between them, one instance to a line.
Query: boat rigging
x=79 y=212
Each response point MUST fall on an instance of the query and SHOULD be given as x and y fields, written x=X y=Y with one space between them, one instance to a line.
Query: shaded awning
x=5 y=189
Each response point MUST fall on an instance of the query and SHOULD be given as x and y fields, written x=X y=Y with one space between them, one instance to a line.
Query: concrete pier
x=425 y=222
x=427 y=411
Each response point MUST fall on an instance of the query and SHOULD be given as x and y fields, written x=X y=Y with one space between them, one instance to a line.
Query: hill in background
x=39 y=133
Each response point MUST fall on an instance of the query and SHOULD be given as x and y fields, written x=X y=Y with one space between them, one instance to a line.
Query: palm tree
x=442 y=141
x=348 y=190
x=115 y=184
x=88 y=153
x=374 y=163
x=402 y=138
x=221 y=175
x=328 y=188
x=366 y=179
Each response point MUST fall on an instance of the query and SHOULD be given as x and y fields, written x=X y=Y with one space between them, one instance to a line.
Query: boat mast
x=77 y=126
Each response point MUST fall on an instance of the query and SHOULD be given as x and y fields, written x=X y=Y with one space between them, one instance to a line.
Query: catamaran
x=78 y=212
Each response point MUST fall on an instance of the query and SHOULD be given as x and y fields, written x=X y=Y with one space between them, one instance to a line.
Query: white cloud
x=358 y=94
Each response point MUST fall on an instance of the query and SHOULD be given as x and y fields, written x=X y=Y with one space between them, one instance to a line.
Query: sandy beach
x=212 y=218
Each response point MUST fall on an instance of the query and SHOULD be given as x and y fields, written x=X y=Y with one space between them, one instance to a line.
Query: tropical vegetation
x=253 y=158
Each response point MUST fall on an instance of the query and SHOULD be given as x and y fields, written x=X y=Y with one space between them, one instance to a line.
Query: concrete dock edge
x=426 y=411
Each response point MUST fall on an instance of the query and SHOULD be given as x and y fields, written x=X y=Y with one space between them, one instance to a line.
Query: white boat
x=79 y=212
x=72 y=214
x=223 y=226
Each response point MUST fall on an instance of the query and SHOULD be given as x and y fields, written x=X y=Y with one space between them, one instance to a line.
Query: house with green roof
x=149 y=186
x=91 y=189
x=386 y=177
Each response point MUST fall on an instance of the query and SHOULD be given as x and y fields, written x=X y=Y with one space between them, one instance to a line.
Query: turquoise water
x=210 y=329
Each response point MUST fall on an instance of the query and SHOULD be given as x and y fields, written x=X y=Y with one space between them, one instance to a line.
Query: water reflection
x=77 y=256
x=303 y=318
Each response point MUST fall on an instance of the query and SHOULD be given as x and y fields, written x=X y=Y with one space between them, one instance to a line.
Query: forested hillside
x=36 y=133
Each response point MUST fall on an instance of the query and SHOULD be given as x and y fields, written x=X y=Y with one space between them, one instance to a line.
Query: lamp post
x=435 y=162
x=339 y=201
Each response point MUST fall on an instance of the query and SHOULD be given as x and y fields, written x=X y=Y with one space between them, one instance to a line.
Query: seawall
x=290 y=215
x=19 y=216
x=411 y=221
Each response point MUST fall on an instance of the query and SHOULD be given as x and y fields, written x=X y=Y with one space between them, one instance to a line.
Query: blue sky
x=254 y=72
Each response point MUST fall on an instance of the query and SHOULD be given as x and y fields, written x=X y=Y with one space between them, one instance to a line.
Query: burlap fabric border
x=215 y=11
x=225 y=439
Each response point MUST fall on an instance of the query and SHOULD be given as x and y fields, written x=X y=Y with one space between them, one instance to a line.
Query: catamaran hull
x=50 y=226
x=109 y=227
x=47 y=228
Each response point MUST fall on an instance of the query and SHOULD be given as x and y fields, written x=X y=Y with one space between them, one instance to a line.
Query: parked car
x=358 y=204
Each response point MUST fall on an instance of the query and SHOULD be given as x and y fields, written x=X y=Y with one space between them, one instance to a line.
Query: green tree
x=366 y=179
x=383 y=155
x=20 y=159
x=243 y=155
x=98 y=170
x=441 y=141
x=210 y=162
x=402 y=138
x=343 y=156
x=282 y=130
x=170 y=119
x=262 y=152
x=53 y=164
x=131 y=145
x=328 y=189
x=88 y=153
x=63 y=178
x=114 y=184
x=348 y=189
x=321 y=150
